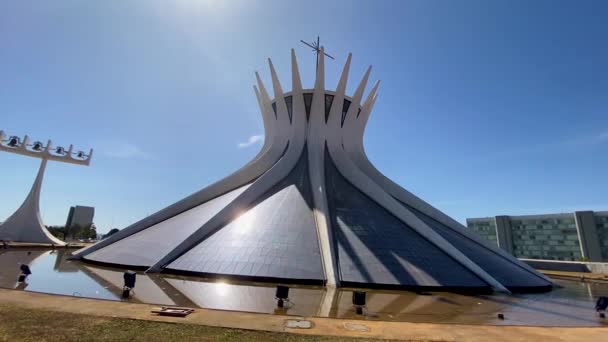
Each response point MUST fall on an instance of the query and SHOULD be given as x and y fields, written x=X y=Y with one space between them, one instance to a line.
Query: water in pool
x=571 y=305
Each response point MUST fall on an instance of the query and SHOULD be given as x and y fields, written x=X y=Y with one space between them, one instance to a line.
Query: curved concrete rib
x=353 y=145
x=274 y=146
x=264 y=183
x=316 y=169
x=268 y=125
x=25 y=224
x=353 y=174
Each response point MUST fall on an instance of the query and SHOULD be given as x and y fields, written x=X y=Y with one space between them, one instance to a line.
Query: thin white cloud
x=600 y=138
x=254 y=139
x=590 y=140
x=123 y=150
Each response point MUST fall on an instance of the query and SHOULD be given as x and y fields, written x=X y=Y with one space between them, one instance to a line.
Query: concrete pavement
x=320 y=326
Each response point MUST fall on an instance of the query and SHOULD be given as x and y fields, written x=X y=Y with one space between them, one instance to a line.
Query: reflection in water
x=248 y=297
x=9 y=265
x=571 y=305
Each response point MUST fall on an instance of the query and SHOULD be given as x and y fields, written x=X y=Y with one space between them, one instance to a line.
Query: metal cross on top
x=316 y=48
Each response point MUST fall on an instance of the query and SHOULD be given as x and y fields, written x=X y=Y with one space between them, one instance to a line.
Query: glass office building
x=578 y=236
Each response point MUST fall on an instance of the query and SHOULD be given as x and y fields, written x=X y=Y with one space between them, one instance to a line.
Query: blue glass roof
x=145 y=248
x=507 y=272
x=374 y=247
x=275 y=238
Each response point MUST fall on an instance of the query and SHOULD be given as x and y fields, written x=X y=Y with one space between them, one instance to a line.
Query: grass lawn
x=18 y=324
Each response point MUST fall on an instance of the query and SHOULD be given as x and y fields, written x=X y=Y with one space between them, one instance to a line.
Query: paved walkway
x=576 y=275
x=320 y=326
x=70 y=244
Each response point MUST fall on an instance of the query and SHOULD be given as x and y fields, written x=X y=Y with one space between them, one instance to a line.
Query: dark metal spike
x=308 y=44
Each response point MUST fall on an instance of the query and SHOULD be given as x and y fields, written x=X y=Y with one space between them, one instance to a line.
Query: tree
x=87 y=232
x=92 y=232
x=74 y=232
x=59 y=232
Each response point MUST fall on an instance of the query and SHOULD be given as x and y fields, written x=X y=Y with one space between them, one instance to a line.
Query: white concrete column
x=26 y=223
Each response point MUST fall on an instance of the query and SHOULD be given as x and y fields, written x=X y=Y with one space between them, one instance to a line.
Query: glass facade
x=308 y=103
x=345 y=107
x=486 y=228
x=511 y=275
x=289 y=103
x=145 y=248
x=548 y=238
x=601 y=224
x=274 y=239
x=374 y=247
x=329 y=99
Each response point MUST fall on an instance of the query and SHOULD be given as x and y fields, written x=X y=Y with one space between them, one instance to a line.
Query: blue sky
x=485 y=107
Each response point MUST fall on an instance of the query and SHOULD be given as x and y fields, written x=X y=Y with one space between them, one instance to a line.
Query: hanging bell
x=13 y=141
x=37 y=146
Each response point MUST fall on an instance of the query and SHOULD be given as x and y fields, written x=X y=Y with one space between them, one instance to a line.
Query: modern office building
x=578 y=236
x=81 y=216
x=311 y=209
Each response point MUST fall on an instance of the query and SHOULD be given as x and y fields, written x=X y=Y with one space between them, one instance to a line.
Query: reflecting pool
x=571 y=305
